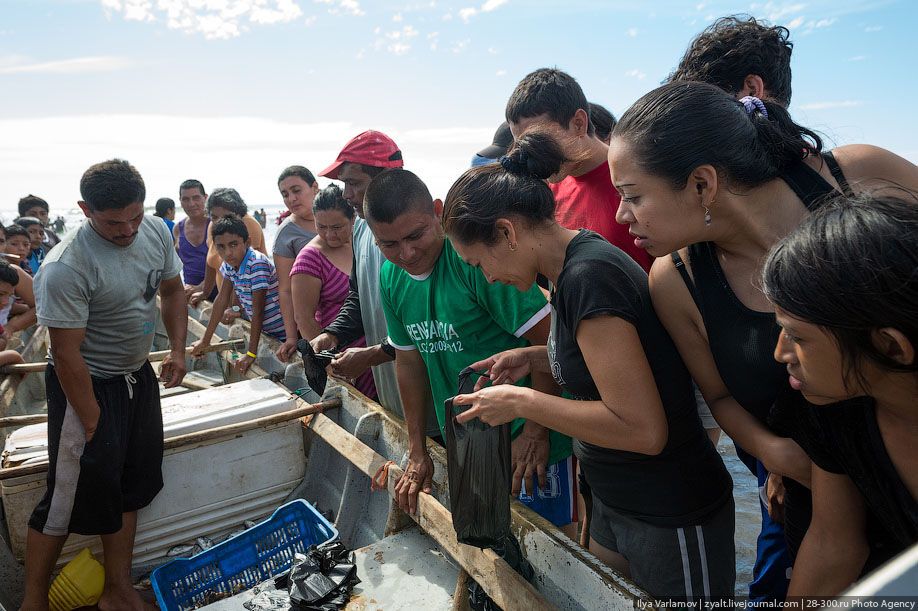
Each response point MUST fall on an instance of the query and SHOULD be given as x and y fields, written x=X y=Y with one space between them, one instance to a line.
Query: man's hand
x=529 y=456
x=354 y=361
x=285 y=350
x=173 y=370
x=229 y=315
x=774 y=497
x=195 y=298
x=323 y=341
x=507 y=367
x=191 y=289
x=418 y=477
x=243 y=364
x=91 y=421
x=197 y=348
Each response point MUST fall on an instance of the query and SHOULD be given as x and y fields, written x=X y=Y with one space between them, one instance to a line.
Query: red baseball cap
x=370 y=148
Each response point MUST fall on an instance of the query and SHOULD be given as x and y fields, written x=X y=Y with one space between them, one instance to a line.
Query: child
x=19 y=244
x=10 y=286
x=36 y=233
x=34 y=206
x=251 y=275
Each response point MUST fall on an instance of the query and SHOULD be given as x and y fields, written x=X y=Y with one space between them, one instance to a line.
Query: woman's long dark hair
x=680 y=126
x=515 y=186
x=852 y=268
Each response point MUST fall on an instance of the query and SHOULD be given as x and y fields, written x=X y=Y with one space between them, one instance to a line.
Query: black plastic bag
x=478 y=463
x=322 y=579
x=509 y=550
x=314 y=365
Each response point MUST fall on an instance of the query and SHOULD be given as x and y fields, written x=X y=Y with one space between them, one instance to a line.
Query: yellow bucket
x=79 y=584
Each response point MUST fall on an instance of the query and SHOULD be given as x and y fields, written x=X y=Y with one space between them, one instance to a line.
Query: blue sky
x=232 y=91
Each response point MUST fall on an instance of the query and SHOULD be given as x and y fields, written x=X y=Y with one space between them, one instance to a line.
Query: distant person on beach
x=249 y=275
x=59 y=224
x=363 y=158
x=264 y=218
x=499 y=145
x=585 y=198
x=603 y=122
x=36 y=236
x=848 y=341
x=19 y=244
x=225 y=202
x=32 y=205
x=319 y=276
x=96 y=294
x=18 y=312
x=165 y=209
x=190 y=234
x=298 y=188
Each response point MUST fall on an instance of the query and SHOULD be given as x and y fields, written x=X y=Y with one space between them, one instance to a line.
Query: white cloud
x=348 y=7
x=76 y=65
x=397 y=18
x=461 y=45
x=310 y=21
x=777 y=11
x=398 y=48
x=467 y=13
x=635 y=73
x=434 y=39
x=796 y=22
x=214 y=19
x=873 y=28
x=700 y=6
x=857 y=58
x=631 y=32
x=493 y=50
x=491 y=5
x=828 y=105
x=500 y=73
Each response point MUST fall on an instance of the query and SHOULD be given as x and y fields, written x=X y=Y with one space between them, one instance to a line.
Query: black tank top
x=743 y=340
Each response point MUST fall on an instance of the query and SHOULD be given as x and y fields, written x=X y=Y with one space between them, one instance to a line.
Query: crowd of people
x=626 y=289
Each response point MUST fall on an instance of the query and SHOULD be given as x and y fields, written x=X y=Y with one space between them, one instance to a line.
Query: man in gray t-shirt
x=97 y=296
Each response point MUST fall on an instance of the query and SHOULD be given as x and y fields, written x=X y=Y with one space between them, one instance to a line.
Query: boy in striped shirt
x=252 y=276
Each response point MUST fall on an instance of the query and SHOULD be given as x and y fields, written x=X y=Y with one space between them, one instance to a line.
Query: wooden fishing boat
x=236 y=448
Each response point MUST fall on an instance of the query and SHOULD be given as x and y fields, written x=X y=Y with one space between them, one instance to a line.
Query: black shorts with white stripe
x=91 y=484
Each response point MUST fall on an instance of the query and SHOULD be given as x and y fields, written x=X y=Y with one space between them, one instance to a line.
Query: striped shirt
x=256 y=273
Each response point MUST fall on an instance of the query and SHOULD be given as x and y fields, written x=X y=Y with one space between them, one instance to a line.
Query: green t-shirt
x=455 y=317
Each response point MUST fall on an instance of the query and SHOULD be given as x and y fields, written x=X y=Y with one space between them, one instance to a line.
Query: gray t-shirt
x=290 y=239
x=88 y=282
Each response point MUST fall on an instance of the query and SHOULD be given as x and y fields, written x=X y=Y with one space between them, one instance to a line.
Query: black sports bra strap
x=807 y=184
x=837 y=173
x=680 y=267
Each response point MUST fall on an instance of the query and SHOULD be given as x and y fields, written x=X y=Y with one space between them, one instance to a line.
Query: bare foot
x=124 y=598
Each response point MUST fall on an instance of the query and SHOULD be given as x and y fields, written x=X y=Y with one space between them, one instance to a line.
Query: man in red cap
x=363 y=158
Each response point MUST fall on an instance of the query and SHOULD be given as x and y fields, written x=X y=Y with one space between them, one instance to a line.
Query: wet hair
x=112 y=185
x=163 y=206
x=331 y=198
x=191 y=183
x=514 y=187
x=393 y=193
x=8 y=274
x=14 y=230
x=228 y=199
x=28 y=221
x=548 y=91
x=733 y=47
x=31 y=201
x=297 y=170
x=852 y=268
x=677 y=127
x=603 y=121
x=232 y=225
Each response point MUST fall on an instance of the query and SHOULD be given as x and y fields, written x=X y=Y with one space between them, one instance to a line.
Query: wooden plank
x=23 y=420
x=504 y=585
x=154 y=357
x=303 y=409
x=10 y=384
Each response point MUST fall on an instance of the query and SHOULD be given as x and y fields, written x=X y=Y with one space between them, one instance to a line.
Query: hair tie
x=508 y=164
x=752 y=104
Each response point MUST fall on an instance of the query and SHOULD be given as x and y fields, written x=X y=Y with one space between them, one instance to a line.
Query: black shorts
x=119 y=471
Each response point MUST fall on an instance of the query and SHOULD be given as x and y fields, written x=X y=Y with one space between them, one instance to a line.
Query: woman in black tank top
x=723 y=181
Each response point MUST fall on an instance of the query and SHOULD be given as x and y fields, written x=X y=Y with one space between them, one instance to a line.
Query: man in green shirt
x=442 y=315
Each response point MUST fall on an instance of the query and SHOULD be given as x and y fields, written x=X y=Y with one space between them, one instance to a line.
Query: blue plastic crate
x=242 y=561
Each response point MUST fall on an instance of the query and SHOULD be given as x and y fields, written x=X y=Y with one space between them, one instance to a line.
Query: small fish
x=181 y=550
x=204 y=543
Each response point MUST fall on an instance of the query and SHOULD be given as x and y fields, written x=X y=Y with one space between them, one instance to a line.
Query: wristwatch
x=387 y=347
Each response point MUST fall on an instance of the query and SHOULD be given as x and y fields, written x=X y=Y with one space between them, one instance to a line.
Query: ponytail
x=677 y=127
x=513 y=187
